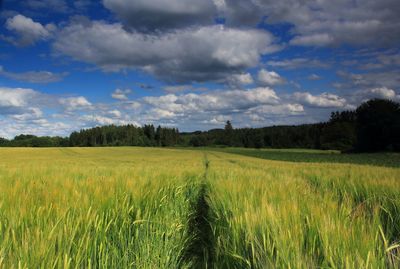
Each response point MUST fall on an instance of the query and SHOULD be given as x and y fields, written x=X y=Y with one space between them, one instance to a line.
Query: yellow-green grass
x=94 y=208
x=302 y=215
x=168 y=208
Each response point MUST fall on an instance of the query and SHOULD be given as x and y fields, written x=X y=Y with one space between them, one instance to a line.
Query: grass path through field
x=200 y=249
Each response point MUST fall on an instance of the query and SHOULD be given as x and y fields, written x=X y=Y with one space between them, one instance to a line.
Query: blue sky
x=67 y=65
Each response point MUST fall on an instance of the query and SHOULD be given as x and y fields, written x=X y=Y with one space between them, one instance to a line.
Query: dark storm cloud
x=156 y=15
x=315 y=22
x=323 y=22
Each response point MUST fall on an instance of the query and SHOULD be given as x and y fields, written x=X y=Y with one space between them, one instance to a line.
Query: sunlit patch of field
x=167 y=208
x=303 y=215
x=99 y=208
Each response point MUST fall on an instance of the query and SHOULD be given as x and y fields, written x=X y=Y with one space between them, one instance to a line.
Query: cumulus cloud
x=315 y=23
x=238 y=80
x=322 y=23
x=295 y=63
x=75 y=103
x=264 y=112
x=119 y=94
x=33 y=113
x=41 y=127
x=159 y=15
x=16 y=100
x=115 y=113
x=324 y=100
x=98 y=120
x=252 y=107
x=195 y=54
x=367 y=94
x=318 y=40
x=269 y=78
x=34 y=76
x=132 y=105
x=28 y=32
x=314 y=77
x=218 y=101
x=218 y=120
x=21 y=111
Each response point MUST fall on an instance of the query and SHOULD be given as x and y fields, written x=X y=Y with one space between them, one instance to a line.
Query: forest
x=373 y=126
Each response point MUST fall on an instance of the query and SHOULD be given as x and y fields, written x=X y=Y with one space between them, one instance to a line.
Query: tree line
x=127 y=135
x=373 y=126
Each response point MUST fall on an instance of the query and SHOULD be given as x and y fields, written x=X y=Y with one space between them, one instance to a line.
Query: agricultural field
x=132 y=207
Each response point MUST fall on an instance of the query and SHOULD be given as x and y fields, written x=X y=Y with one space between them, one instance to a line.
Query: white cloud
x=283 y=109
x=75 y=103
x=16 y=100
x=314 y=77
x=21 y=112
x=218 y=101
x=295 y=63
x=312 y=40
x=381 y=92
x=237 y=80
x=98 y=120
x=194 y=54
x=218 y=120
x=27 y=30
x=269 y=78
x=115 y=113
x=132 y=105
x=41 y=127
x=33 y=113
x=324 y=100
x=121 y=94
x=264 y=112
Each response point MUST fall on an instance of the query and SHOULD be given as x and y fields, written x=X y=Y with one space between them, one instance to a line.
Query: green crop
x=168 y=208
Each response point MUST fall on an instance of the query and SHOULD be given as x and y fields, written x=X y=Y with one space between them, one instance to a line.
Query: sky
x=68 y=65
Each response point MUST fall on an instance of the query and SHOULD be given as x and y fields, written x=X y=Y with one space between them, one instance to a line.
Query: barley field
x=177 y=208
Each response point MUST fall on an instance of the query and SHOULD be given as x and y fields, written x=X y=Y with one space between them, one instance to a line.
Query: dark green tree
x=378 y=125
x=228 y=133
